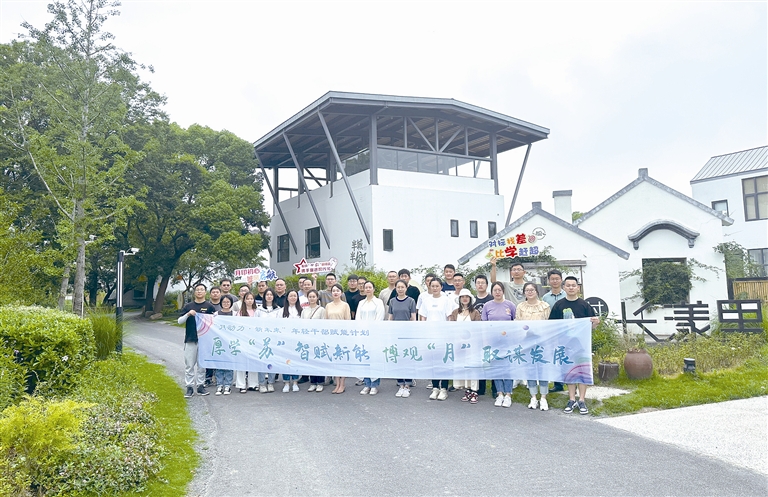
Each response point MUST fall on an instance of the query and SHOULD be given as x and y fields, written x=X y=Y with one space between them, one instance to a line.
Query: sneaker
x=190 y=392
x=473 y=398
x=429 y=384
x=413 y=383
x=499 y=400
x=400 y=392
x=534 y=403
x=569 y=408
x=286 y=388
x=583 y=408
x=295 y=387
x=467 y=396
x=319 y=388
x=543 y=404
x=202 y=391
x=374 y=391
x=262 y=389
x=359 y=383
x=219 y=390
x=312 y=388
x=243 y=390
x=270 y=388
x=434 y=394
x=227 y=390
x=452 y=388
x=443 y=394
x=406 y=392
x=507 y=402
x=365 y=391
x=557 y=388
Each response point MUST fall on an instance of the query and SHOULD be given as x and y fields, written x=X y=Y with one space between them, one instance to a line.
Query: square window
x=473 y=229
x=755 y=198
x=760 y=257
x=388 y=241
x=283 y=253
x=312 y=248
x=491 y=229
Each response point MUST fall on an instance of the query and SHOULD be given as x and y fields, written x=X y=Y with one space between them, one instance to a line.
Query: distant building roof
x=754 y=159
x=538 y=211
x=642 y=177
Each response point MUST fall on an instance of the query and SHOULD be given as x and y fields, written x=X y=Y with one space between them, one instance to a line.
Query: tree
x=201 y=202
x=65 y=104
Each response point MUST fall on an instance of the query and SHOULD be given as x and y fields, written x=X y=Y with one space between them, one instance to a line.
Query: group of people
x=445 y=299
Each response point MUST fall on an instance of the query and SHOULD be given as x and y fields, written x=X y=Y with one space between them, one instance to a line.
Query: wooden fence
x=750 y=289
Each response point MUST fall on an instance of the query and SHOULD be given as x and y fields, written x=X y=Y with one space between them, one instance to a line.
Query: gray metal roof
x=348 y=117
x=642 y=176
x=754 y=159
x=536 y=210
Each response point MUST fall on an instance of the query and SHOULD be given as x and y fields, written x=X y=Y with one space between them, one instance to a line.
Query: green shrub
x=37 y=436
x=104 y=332
x=605 y=338
x=53 y=346
x=718 y=351
x=11 y=378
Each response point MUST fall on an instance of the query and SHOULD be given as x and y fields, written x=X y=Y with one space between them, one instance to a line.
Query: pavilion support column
x=519 y=182
x=373 y=154
x=494 y=163
x=344 y=176
x=277 y=203
x=303 y=184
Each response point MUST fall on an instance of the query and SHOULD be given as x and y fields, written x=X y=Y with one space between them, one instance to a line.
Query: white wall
x=646 y=203
x=600 y=276
x=750 y=235
x=418 y=208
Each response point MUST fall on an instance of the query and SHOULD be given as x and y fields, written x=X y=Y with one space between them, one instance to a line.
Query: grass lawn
x=178 y=435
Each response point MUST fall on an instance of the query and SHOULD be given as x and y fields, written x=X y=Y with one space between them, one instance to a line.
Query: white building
x=737 y=185
x=414 y=179
x=644 y=222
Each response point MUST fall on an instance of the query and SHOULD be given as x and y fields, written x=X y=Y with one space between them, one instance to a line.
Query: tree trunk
x=79 y=290
x=160 y=299
x=64 y=286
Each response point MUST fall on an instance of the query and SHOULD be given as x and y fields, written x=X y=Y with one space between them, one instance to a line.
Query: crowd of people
x=445 y=299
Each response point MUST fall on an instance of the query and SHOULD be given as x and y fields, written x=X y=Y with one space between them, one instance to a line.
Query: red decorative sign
x=305 y=267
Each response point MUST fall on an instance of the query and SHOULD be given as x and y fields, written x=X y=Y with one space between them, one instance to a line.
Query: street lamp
x=119 y=303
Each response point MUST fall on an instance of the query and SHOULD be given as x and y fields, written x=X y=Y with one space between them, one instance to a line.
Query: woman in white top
x=268 y=310
x=436 y=307
x=534 y=309
x=370 y=309
x=314 y=311
x=247 y=309
x=466 y=312
x=292 y=310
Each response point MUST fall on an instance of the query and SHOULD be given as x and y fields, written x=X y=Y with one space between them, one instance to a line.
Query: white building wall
x=748 y=234
x=418 y=208
x=600 y=276
x=646 y=203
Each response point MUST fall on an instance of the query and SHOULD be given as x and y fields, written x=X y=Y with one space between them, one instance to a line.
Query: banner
x=258 y=273
x=557 y=350
x=319 y=267
x=519 y=245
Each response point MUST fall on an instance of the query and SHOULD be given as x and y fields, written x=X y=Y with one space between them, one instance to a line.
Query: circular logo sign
x=538 y=233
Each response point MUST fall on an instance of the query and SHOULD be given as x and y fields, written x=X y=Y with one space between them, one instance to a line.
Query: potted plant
x=605 y=346
x=638 y=363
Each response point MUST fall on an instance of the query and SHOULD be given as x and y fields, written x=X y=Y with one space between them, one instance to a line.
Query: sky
x=620 y=85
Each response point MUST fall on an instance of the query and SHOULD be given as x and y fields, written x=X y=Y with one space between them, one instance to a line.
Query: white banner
x=557 y=350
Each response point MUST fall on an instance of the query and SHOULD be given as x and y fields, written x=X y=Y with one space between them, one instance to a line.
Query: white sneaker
x=287 y=388
x=270 y=388
x=374 y=391
x=507 y=401
x=262 y=389
x=312 y=388
x=400 y=392
x=365 y=391
x=319 y=388
x=406 y=392
x=435 y=392
x=499 y=400
x=295 y=386
x=534 y=403
x=443 y=394
x=543 y=404
x=219 y=390
x=227 y=390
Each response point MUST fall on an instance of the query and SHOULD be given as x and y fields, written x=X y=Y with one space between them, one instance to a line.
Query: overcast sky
x=621 y=86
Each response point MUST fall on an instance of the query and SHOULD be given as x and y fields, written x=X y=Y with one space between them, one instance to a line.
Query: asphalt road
x=323 y=444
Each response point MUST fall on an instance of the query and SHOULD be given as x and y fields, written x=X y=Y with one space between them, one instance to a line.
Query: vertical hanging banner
x=557 y=350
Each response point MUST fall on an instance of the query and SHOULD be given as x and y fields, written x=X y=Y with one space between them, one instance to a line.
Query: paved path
x=323 y=444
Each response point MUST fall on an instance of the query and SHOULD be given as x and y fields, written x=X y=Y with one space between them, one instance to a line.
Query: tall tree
x=65 y=105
